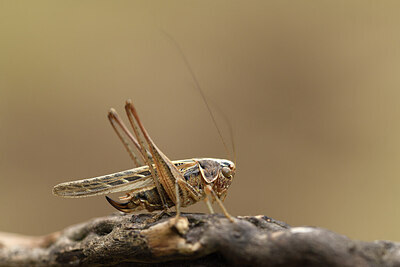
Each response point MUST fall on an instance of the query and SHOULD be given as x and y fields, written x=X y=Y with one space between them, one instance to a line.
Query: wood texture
x=193 y=240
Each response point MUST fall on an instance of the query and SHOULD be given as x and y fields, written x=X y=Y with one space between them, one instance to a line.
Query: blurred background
x=312 y=90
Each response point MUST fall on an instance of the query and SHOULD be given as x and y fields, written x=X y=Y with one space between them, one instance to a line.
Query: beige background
x=312 y=90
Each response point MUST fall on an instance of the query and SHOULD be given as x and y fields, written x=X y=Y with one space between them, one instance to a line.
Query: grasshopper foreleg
x=209 y=191
x=208 y=203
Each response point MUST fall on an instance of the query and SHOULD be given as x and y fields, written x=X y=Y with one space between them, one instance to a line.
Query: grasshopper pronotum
x=160 y=183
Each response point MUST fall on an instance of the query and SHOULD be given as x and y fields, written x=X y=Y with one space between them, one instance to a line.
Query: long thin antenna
x=197 y=86
x=229 y=127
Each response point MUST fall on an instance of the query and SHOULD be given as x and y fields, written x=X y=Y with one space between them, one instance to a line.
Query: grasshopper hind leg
x=178 y=201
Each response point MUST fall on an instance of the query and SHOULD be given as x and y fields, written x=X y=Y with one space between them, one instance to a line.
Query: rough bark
x=193 y=240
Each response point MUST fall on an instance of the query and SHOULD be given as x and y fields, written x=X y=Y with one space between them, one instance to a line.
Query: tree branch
x=194 y=239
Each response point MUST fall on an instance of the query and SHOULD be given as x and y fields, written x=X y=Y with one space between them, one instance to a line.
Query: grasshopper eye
x=227 y=172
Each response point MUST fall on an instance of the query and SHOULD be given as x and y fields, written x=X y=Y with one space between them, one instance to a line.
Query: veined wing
x=133 y=179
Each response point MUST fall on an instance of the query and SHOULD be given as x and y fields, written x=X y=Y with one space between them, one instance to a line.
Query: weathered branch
x=194 y=239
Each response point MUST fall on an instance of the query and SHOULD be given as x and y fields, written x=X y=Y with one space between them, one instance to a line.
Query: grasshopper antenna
x=229 y=127
x=198 y=87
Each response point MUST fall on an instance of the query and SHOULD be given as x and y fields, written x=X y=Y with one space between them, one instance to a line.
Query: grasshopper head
x=218 y=173
x=226 y=172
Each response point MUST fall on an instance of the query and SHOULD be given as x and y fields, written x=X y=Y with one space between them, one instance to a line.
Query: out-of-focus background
x=312 y=90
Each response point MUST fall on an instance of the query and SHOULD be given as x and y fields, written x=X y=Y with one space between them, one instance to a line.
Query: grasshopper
x=159 y=183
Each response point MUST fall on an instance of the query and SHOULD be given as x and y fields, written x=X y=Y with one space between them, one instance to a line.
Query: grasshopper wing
x=133 y=179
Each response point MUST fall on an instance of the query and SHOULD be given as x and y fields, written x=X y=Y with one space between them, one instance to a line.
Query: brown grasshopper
x=159 y=183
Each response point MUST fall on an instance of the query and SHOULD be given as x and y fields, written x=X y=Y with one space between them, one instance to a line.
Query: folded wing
x=137 y=178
